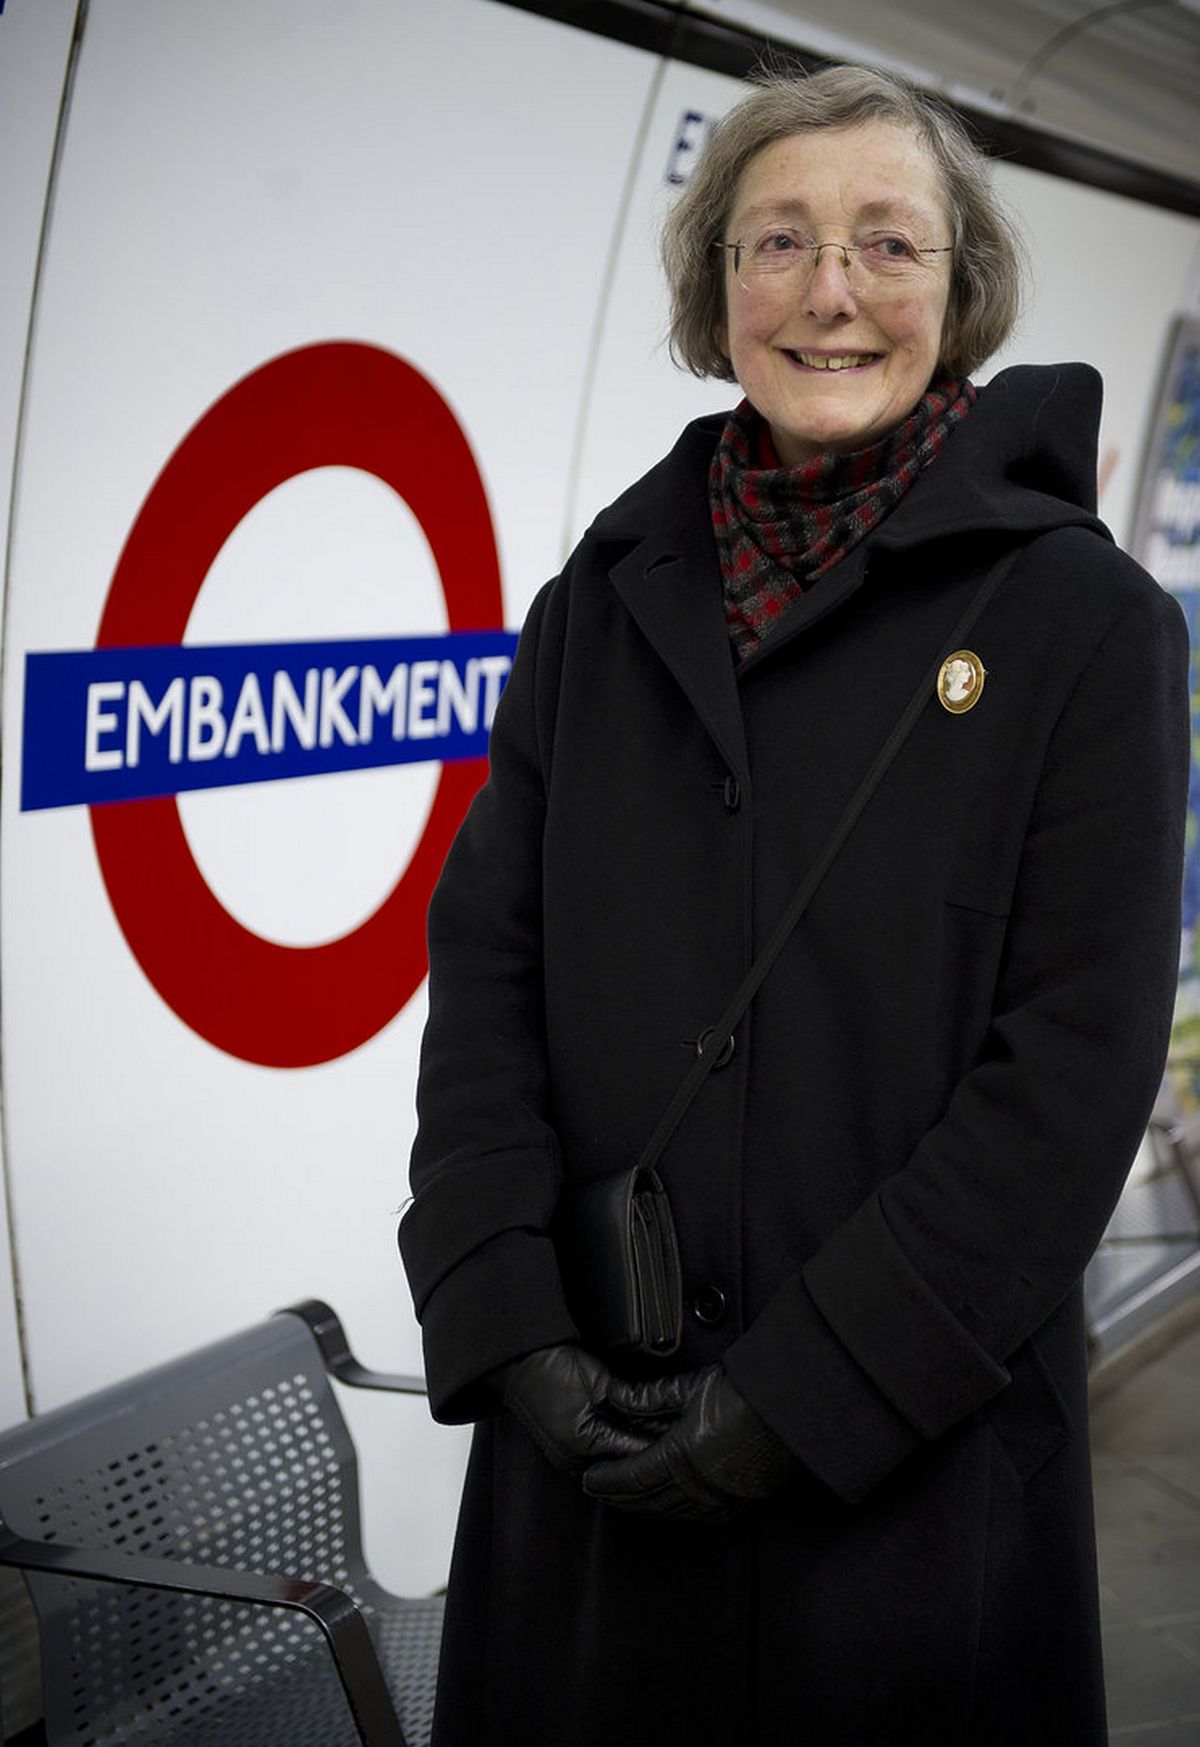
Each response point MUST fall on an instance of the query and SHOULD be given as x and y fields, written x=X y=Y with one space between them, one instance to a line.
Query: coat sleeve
x=485 y=1164
x=901 y=1324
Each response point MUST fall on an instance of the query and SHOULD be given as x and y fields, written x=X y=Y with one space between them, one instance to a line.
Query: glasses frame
x=814 y=250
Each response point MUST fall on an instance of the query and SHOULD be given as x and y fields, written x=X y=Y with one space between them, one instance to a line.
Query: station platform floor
x=1145 y=1419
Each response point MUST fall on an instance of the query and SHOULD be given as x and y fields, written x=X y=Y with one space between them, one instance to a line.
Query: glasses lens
x=780 y=256
x=775 y=250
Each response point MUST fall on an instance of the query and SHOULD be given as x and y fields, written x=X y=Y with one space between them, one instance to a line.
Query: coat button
x=732 y=793
x=709 y=1305
x=724 y=1054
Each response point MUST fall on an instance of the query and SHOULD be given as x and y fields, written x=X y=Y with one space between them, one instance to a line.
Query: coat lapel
x=675 y=598
x=669 y=579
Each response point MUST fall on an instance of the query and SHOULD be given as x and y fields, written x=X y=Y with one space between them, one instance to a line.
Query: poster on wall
x=1167 y=541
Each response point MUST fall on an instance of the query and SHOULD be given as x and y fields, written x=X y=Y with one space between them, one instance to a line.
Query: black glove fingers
x=557 y=1394
x=718 y=1450
x=656 y=1399
x=606 y=1442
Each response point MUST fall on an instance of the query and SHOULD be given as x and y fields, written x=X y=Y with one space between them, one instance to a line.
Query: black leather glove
x=558 y=1394
x=655 y=1404
x=718 y=1451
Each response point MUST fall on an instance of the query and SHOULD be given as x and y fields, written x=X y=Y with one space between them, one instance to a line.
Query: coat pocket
x=1030 y=1417
x=972 y=947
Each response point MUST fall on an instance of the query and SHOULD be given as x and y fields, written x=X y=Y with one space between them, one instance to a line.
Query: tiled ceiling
x=1122 y=77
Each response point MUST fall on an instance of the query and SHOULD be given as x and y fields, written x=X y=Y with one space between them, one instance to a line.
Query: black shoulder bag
x=615 y=1236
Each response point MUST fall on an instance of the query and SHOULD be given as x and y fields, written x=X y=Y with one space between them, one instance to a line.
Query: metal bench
x=191 y=1540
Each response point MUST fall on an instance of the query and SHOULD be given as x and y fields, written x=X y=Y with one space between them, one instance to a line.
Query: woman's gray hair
x=988 y=259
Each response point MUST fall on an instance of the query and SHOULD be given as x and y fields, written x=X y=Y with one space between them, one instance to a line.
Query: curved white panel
x=237 y=182
x=35 y=41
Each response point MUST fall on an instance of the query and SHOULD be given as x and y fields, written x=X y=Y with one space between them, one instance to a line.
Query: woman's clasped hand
x=686 y=1445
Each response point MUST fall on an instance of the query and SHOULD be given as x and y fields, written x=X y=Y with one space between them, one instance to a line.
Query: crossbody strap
x=717 y=1036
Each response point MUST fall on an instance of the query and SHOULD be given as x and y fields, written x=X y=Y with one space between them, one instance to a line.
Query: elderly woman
x=854 y=1507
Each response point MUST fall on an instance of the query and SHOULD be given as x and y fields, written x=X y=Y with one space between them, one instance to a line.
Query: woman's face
x=835 y=357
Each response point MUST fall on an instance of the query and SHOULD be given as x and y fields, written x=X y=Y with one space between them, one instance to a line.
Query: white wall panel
x=1108 y=277
x=641 y=400
x=35 y=40
x=238 y=182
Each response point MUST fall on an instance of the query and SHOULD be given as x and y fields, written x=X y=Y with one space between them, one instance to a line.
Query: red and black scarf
x=779 y=528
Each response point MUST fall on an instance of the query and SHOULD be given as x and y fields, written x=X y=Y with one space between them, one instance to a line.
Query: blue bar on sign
x=125 y=724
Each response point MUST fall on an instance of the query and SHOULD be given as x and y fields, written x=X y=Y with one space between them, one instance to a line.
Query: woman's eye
x=777 y=243
x=887 y=251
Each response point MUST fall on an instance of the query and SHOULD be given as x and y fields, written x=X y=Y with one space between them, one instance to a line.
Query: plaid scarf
x=779 y=528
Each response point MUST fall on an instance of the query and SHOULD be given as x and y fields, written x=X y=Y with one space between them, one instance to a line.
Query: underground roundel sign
x=128 y=725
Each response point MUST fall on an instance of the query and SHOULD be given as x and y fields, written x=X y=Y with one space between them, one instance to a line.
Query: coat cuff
x=470 y=1201
x=814 y=1397
x=855 y=1362
x=913 y=1348
x=503 y=1301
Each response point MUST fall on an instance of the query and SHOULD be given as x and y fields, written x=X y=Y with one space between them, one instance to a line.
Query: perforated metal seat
x=208 y=1513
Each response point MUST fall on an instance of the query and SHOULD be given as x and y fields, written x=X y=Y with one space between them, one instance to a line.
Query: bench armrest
x=340 y=1362
x=335 y=1612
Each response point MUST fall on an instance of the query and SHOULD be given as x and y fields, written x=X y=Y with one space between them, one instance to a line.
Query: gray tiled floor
x=1146 y=1442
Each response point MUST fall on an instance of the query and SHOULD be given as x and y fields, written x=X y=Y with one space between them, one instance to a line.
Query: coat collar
x=1021 y=463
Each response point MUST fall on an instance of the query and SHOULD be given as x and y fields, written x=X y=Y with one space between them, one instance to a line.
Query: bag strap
x=717 y=1037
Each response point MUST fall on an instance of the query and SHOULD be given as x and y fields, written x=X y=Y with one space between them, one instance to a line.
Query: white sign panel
x=311 y=336
x=35 y=41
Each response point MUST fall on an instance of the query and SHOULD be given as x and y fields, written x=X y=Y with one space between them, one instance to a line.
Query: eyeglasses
x=784 y=259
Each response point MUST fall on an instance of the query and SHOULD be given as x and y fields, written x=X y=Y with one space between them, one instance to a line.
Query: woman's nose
x=829 y=292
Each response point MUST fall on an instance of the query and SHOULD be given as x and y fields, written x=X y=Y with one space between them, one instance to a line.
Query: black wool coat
x=888 y=1196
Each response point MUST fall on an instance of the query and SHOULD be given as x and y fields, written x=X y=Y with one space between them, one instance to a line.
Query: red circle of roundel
x=337 y=404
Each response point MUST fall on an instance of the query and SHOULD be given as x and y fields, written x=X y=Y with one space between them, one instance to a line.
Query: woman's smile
x=835 y=361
